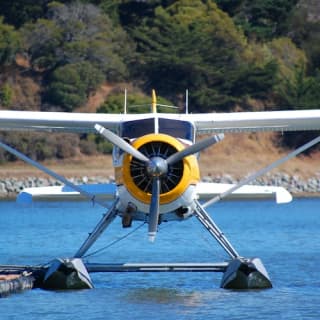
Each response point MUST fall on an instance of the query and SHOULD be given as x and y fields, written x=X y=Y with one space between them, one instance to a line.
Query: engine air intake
x=140 y=172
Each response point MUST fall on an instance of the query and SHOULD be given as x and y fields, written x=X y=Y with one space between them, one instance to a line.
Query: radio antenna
x=125 y=101
x=187 y=101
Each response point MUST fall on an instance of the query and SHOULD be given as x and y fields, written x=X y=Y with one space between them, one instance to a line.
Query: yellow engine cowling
x=134 y=177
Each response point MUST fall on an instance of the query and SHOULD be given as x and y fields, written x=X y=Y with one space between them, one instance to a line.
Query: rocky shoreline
x=10 y=187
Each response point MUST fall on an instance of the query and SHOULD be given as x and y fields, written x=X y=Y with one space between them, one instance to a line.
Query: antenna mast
x=154 y=102
x=125 y=101
x=187 y=101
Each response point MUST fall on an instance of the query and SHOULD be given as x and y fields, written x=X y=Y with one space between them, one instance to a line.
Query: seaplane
x=157 y=179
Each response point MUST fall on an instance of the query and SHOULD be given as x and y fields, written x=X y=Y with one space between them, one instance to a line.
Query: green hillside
x=229 y=54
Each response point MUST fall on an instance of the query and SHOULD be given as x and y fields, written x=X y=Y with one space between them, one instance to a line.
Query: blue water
x=285 y=237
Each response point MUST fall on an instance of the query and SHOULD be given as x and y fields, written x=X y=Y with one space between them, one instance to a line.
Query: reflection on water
x=156 y=295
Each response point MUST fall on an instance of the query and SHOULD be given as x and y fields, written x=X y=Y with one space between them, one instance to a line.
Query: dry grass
x=96 y=99
x=242 y=154
x=76 y=167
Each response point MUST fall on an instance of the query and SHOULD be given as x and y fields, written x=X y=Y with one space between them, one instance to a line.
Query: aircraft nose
x=157 y=166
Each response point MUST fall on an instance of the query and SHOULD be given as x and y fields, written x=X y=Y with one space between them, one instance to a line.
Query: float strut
x=98 y=230
x=213 y=229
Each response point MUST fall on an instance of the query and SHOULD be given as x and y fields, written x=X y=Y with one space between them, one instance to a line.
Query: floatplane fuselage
x=156 y=138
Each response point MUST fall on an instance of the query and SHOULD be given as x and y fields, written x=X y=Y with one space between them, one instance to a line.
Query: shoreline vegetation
x=237 y=157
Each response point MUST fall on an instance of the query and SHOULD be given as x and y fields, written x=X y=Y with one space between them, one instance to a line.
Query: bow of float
x=65 y=274
x=246 y=274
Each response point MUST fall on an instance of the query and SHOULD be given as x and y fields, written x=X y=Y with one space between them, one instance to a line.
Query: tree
x=195 y=45
x=256 y=81
x=301 y=91
x=131 y=13
x=76 y=33
x=42 y=41
x=10 y=43
x=6 y=93
x=288 y=56
x=71 y=84
x=263 y=19
x=74 y=38
x=40 y=146
x=305 y=32
x=19 y=12
x=136 y=102
x=230 y=6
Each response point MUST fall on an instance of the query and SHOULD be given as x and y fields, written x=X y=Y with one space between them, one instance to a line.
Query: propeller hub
x=157 y=166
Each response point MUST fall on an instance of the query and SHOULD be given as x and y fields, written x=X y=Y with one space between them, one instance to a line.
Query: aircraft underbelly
x=168 y=212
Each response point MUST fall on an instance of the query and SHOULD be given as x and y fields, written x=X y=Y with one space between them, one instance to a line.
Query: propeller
x=121 y=143
x=154 y=209
x=156 y=167
x=198 y=146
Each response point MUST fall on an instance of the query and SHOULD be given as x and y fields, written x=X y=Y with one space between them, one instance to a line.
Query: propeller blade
x=52 y=174
x=262 y=172
x=154 y=209
x=119 y=142
x=198 y=146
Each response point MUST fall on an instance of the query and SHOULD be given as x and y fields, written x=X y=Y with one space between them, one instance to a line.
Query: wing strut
x=53 y=174
x=205 y=218
x=262 y=172
x=98 y=230
x=209 y=224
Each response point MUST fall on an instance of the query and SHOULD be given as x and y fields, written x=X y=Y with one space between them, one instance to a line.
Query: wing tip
x=283 y=196
x=24 y=198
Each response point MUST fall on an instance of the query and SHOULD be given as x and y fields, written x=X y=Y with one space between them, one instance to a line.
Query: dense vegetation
x=230 y=54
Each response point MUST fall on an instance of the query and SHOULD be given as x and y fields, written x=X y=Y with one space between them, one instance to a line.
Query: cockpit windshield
x=177 y=128
x=137 y=128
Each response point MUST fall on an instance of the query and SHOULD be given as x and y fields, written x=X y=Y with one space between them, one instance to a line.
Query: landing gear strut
x=241 y=273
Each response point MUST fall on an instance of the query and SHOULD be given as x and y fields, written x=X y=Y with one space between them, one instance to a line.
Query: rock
x=3 y=189
x=207 y=179
x=294 y=184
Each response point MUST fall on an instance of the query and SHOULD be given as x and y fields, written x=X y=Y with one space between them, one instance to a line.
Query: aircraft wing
x=207 y=190
x=204 y=122
x=62 y=121
x=257 y=121
x=102 y=191
x=107 y=192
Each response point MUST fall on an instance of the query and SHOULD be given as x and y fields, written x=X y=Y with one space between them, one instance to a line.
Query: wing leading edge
x=258 y=121
x=103 y=191
x=207 y=190
x=204 y=122
x=62 y=121
x=204 y=190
